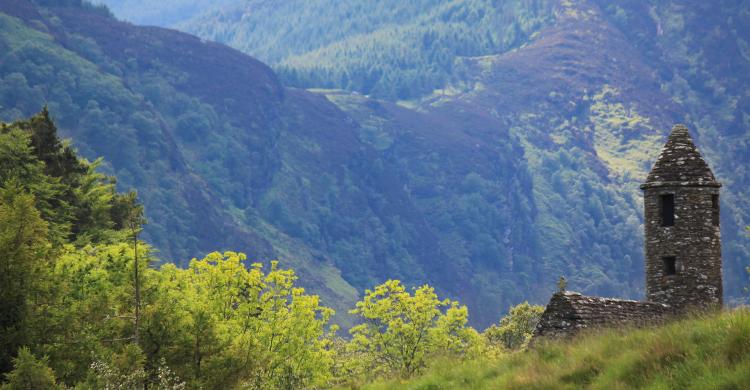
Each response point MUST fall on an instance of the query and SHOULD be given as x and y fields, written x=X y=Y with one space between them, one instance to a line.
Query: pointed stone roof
x=680 y=163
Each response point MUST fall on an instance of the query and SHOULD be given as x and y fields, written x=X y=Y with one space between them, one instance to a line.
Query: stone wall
x=695 y=243
x=683 y=251
x=568 y=313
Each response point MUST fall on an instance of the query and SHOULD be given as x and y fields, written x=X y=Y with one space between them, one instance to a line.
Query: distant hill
x=389 y=49
x=523 y=167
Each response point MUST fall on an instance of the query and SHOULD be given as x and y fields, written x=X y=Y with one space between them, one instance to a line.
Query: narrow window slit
x=715 y=209
x=670 y=265
x=666 y=205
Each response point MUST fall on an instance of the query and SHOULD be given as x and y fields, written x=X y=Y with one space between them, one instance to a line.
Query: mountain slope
x=525 y=169
x=226 y=158
x=142 y=97
x=591 y=101
x=593 y=98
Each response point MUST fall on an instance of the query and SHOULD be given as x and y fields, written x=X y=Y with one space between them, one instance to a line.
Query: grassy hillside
x=709 y=352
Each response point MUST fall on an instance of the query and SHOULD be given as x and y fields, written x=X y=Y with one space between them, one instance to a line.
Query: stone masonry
x=569 y=312
x=682 y=250
x=694 y=240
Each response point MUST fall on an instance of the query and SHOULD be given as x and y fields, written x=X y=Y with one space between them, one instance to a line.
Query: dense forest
x=518 y=164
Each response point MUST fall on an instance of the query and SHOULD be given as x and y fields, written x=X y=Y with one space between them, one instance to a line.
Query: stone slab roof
x=570 y=312
x=680 y=163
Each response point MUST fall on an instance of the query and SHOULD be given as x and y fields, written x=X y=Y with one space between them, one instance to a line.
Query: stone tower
x=683 y=240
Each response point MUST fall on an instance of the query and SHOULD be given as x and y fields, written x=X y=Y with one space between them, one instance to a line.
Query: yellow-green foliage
x=706 y=352
x=241 y=326
x=515 y=330
x=402 y=331
x=623 y=138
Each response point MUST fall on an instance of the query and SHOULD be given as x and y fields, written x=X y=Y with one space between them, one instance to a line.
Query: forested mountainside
x=155 y=102
x=225 y=158
x=589 y=87
x=388 y=49
x=522 y=167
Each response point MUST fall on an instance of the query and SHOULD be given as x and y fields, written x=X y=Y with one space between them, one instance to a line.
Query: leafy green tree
x=87 y=311
x=23 y=249
x=221 y=324
x=134 y=223
x=29 y=373
x=401 y=331
x=80 y=203
x=61 y=295
x=515 y=330
x=19 y=163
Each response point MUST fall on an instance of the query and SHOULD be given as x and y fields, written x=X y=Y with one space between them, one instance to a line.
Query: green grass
x=705 y=352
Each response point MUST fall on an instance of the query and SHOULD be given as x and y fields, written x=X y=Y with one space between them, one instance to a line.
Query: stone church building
x=682 y=249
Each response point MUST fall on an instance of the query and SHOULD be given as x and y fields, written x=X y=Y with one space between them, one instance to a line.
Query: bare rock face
x=682 y=244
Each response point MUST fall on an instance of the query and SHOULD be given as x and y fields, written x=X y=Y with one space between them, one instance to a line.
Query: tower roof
x=680 y=163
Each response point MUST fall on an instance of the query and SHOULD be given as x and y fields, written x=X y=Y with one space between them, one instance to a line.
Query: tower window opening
x=715 y=209
x=670 y=265
x=666 y=205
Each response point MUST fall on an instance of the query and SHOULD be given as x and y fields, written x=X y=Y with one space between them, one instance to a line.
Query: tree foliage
x=238 y=325
x=29 y=373
x=23 y=251
x=402 y=331
x=79 y=288
x=515 y=330
x=101 y=310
